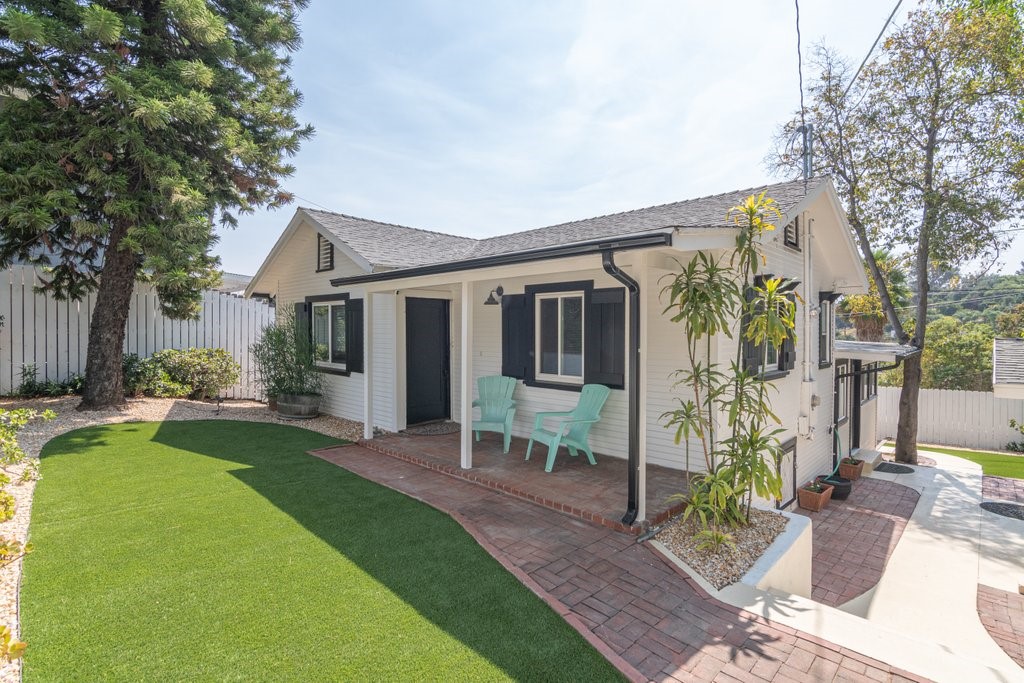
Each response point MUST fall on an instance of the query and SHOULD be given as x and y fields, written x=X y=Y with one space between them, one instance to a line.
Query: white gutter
x=811 y=313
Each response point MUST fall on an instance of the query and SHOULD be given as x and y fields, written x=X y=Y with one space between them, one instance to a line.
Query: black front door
x=427 y=362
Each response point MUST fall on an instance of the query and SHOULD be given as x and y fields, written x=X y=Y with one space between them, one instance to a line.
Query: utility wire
x=873 y=46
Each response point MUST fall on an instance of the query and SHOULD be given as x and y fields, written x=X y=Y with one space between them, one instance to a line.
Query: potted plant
x=841 y=486
x=287 y=370
x=851 y=468
x=814 y=495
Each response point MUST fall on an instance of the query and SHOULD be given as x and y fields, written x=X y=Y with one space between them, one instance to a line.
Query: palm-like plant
x=865 y=310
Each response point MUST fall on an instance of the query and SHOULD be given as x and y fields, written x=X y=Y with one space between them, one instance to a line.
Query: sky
x=482 y=118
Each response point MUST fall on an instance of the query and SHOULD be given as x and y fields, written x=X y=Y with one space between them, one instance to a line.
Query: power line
x=873 y=46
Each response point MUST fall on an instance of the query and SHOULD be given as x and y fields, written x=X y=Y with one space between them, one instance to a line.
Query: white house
x=408 y=323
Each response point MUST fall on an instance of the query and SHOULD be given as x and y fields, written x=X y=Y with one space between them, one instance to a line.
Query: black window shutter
x=788 y=355
x=303 y=318
x=516 y=336
x=354 y=335
x=605 y=338
x=751 y=352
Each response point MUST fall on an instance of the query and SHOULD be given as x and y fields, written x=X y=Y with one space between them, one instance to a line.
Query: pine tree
x=135 y=126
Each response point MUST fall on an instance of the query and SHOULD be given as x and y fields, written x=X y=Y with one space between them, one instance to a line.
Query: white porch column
x=644 y=280
x=368 y=366
x=466 y=375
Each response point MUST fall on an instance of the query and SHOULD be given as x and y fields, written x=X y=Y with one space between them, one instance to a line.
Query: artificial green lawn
x=222 y=551
x=992 y=464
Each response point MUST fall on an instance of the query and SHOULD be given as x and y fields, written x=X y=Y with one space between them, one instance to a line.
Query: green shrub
x=179 y=373
x=203 y=371
x=31 y=386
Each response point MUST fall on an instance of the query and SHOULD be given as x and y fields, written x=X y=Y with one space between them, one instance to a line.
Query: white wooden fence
x=973 y=419
x=54 y=335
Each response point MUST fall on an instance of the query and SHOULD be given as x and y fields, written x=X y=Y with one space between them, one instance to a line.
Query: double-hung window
x=329 y=334
x=869 y=382
x=559 y=337
x=826 y=330
x=842 y=407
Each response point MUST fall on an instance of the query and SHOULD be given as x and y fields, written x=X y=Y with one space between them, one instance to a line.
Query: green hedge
x=180 y=373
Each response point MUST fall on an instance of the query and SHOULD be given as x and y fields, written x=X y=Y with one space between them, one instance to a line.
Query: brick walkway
x=1002 y=613
x=1003 y=488
x=634 y=607
x=854 y=538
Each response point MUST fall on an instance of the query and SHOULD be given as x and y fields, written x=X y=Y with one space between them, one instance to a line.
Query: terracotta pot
x=814 y=500
x=852 y=472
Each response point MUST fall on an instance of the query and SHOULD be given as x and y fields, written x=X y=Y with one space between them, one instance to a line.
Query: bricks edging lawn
x=615 y=659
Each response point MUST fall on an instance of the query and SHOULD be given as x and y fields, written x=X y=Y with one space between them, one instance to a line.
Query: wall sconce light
x=494 y=298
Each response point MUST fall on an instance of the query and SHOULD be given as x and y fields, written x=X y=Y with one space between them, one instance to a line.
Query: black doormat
x=1011 y=510
x=437 y=428
x=893 y=468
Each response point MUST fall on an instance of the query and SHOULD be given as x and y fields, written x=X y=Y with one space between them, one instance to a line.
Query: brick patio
x=1003 y=488
x=594 y=493
x=854 y=538
x=635 y=608
x=1002 y=613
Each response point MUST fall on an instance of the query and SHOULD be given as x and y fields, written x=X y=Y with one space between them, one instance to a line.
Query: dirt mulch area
x=36 y=434
x=729 y=564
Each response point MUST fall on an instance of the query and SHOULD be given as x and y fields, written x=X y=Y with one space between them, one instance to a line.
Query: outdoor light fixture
x=494 y=298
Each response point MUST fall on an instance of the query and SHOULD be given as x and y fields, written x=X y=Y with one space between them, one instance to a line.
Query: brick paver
x=1002 y=613
x=595 y=493
x=1003 y=488
x=638 y=610
x=854 y=538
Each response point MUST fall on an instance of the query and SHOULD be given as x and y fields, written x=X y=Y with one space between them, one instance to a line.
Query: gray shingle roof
x=392 y=246
x=1008 y=361
x=395 y=246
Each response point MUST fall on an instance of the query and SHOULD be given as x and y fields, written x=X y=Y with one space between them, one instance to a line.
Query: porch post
x=466 y=375
x=368 y=366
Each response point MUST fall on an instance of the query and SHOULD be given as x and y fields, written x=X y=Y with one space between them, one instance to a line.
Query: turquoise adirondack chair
x=573 y=426
x=496 y=407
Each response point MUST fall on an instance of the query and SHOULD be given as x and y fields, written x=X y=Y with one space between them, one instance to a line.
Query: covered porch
x=575 y=487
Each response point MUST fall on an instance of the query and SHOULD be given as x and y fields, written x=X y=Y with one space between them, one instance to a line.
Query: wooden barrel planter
x=298 y=406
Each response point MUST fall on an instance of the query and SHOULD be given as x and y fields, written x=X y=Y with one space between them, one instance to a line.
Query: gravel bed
x=34 y=436
x=729 y=564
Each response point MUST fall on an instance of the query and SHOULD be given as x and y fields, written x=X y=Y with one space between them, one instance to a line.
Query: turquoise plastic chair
x=573 y=427
x=496 y=407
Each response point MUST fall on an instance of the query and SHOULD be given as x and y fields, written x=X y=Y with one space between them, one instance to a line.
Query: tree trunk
x=104 y=381
x=906 y=430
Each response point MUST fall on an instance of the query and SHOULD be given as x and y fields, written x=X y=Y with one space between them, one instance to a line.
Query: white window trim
x=551 y=377
x=330 y=332
x=844 y=391
x=827 y=329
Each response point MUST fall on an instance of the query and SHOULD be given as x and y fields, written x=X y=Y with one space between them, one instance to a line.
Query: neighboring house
x=233 y=283
x=406 y=322
x=1008 y=367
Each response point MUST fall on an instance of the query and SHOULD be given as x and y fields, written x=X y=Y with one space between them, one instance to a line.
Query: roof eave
x=638 y=241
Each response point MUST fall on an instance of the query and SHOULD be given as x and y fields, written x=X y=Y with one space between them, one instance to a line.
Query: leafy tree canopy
x=957 y=356
x=140 y=125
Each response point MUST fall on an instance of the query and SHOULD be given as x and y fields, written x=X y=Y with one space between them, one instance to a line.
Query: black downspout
x=608 y=261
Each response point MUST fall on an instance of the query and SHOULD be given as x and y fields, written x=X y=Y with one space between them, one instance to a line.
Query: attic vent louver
x=791 y=234
x=324 y=254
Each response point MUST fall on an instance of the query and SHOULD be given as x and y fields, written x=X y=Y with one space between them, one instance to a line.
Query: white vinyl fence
x=54 y=335
x=972 y=419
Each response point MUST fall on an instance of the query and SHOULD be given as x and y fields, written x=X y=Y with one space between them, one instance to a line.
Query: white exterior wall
x=869 y=424
x=610 y=435
x=291 y=277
